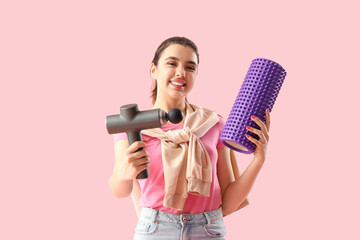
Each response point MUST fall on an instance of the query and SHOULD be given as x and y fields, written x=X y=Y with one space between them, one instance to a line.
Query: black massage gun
x=132 y=121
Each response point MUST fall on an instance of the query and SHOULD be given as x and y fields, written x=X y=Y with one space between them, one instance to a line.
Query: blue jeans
x=155 y=224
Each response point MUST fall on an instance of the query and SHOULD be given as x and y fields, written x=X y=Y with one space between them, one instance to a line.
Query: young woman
x=193 y=178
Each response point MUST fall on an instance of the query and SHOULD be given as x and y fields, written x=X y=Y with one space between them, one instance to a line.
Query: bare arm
x=120 y=187
x=136 y=195
x=234 y=191
x=128 y=163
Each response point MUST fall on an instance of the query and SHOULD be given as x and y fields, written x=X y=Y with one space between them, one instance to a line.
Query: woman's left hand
x=263 y=133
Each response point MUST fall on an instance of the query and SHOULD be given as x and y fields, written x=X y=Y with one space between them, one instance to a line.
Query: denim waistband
x=152 y=215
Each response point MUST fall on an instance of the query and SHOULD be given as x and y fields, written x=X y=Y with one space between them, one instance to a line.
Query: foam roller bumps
x=257 y=93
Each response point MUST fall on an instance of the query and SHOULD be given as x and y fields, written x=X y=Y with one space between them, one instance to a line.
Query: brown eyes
x=174 y=64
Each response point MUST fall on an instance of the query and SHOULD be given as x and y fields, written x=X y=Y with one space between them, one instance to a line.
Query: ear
x=153 y=71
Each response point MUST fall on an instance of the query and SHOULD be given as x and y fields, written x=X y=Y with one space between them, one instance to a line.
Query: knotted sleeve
x=199 y=172
x=174 y=152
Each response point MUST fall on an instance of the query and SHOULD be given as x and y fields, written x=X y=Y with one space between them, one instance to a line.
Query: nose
x=181 y=73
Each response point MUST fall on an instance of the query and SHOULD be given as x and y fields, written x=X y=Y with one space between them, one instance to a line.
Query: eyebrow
x=175 y=58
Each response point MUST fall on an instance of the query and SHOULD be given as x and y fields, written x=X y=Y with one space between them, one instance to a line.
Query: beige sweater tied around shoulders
x=186 y=163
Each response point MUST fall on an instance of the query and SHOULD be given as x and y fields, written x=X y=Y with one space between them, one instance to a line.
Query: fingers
x=257 y=132
x=132 y=153
x=267 y=120
x=135 y=146
x=261 y=124
x=262 y=132
x=143 y=167
x=253 y=140
x=143 y=162
x=139 y=154
x=139 y=164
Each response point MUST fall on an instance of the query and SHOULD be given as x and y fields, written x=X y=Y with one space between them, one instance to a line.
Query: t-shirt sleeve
x=120 y=136
x=123 y=136
x=221 y=126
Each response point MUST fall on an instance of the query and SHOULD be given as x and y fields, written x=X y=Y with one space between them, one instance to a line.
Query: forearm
x=237 y=191
x=119 y=187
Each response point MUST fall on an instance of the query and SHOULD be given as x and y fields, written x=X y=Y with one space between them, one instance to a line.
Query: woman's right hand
x=132 y=162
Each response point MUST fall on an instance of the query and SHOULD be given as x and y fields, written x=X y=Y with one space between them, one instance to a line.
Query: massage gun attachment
x=132 y=121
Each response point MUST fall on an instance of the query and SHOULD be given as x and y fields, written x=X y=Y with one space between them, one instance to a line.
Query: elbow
x=225 y=211
x=117 y=191
x=119 y=194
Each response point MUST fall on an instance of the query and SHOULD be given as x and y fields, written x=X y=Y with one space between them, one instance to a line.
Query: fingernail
x=247 y=127
x=247 y=136
x=252 y=117
x=267 y=110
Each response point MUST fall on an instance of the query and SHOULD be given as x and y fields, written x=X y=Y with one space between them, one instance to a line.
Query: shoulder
x=203 y=109
x=221 y=120
x=220 y=124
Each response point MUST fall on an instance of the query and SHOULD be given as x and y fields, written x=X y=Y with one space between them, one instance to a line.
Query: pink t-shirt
x=152 y=188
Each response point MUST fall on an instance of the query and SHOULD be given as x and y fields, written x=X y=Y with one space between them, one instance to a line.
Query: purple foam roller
x=257 y=93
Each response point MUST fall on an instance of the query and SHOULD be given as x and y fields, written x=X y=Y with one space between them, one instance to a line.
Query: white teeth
x=178 y=84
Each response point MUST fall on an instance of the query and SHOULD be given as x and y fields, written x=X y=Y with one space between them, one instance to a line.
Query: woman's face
x=176 y=71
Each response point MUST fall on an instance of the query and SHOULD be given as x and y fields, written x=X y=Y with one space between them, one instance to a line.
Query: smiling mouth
x=178 y=84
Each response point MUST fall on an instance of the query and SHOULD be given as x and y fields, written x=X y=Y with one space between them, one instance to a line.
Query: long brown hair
x=173 y=40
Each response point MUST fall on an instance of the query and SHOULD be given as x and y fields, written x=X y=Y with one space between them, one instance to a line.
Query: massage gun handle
x=134 y=136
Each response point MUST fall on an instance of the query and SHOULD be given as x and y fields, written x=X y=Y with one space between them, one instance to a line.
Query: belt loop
x=207 y=218
x=154 y=214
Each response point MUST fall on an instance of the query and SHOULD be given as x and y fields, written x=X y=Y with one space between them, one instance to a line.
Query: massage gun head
x=131 y=119
x=175 y=115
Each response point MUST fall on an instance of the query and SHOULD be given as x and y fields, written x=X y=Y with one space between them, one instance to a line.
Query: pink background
x=66 y=65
